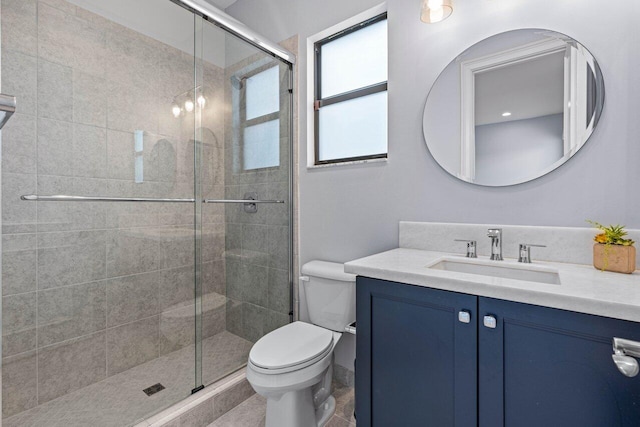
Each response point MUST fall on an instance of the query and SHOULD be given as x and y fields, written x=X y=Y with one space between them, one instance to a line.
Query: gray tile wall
x=257 y=244
x=93 y=289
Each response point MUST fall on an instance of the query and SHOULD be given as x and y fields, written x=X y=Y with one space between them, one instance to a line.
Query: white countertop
x=582 y=288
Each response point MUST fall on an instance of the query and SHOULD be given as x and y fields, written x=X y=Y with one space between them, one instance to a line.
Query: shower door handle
x=243 y=201
x=250 y=204
x=67 y=198
x=249 y=201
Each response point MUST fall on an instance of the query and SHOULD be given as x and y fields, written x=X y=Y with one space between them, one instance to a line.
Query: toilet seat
x=291 y=347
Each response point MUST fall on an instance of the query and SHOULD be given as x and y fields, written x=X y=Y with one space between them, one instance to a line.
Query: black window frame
x=319 y=102
x=245 y=123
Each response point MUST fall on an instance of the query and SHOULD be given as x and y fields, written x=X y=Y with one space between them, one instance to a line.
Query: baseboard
x=343 y=375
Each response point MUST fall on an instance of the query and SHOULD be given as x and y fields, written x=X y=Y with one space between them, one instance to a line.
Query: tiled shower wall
x=93 y=289
x=257 y=255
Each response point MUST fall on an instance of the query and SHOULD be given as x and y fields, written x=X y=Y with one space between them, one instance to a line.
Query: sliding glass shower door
x=133 y=270
x=98 y=293
x=246 y=154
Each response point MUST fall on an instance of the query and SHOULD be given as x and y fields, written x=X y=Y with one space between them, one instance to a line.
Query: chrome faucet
x=496 y=243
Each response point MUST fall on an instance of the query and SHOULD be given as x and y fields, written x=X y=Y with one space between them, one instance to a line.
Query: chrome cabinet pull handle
x=464 y=316
x=490 y=322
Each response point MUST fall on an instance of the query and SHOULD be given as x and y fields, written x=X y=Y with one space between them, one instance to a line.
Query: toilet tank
x=330 y=294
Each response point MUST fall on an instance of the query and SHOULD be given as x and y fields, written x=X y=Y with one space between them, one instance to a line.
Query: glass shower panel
x=98 y=297
x=199 y=100
x=246 y=262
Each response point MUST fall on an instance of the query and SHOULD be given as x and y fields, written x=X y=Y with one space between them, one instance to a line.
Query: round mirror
x=513 y=107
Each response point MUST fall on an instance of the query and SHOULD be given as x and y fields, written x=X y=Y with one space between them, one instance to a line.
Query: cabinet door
x=547 y=367
x=416 y=363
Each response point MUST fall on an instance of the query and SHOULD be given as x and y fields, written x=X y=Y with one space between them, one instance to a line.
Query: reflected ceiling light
x=186 y=102
x=436 y=10
x=506 y=114
x=175 y=109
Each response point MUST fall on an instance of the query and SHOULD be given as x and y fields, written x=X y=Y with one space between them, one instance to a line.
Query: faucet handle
x=494 y=232
x=471 y=247
x=524 y=252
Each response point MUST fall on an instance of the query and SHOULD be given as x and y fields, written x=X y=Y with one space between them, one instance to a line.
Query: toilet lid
x=291 y=345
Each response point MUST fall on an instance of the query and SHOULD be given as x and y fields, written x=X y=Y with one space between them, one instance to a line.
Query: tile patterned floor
x=252 y=412
x=119 y=401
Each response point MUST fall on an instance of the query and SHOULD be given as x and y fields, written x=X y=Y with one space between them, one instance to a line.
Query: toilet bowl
x=292 y=367
x=295 y=380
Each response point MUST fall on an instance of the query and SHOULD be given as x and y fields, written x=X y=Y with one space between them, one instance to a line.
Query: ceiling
x=527 y=89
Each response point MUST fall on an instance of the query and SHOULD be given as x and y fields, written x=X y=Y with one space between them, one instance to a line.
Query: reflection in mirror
x=513 y=107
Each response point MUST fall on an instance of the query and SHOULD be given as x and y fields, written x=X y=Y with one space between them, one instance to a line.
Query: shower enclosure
x=134 y=271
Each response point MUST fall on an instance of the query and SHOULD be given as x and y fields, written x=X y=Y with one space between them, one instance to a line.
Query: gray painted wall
x=351 y=211
x=517 y=148
x=347 y=212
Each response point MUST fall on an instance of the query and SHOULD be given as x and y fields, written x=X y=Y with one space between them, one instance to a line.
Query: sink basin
x=502 y=269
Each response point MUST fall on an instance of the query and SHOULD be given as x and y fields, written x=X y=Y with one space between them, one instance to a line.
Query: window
x=350 y=100
x=260 y=119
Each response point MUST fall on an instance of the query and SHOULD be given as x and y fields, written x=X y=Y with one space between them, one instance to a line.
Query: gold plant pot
x=618 y=258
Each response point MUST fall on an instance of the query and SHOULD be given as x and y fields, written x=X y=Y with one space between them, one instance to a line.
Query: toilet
x=292 y=366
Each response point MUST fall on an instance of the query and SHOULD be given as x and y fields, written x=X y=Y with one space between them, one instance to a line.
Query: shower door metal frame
x=237 y=28
x=198 y=81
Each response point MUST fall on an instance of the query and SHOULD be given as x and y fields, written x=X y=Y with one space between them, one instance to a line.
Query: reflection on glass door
x=122 y=291
x=98 y=296
x=246 y=154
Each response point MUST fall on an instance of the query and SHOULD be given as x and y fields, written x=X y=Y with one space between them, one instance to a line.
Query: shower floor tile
x=119 y=400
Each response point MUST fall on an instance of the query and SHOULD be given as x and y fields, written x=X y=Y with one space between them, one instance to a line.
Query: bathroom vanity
x=447 y=340
x=444 y=341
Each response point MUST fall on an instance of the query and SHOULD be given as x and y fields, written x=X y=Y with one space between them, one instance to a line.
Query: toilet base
x=296 y=409
x=326 y=411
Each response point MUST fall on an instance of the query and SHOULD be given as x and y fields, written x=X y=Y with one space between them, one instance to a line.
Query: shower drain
x=153 y=389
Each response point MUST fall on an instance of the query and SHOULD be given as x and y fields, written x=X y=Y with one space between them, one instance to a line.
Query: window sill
x=354 y=162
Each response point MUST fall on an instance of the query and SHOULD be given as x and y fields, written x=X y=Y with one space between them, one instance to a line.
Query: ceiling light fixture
x=435 y=10
x=506 y=114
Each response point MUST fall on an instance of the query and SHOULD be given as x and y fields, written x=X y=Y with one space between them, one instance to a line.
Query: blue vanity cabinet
x=416 y=362
x=547 y=367
x=511 y=365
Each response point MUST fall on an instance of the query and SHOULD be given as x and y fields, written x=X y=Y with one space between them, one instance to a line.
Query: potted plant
x=612 y=251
